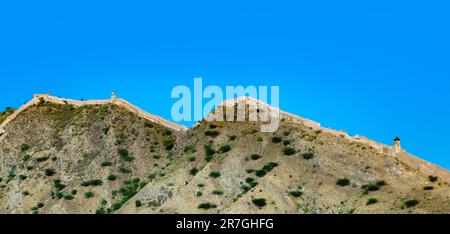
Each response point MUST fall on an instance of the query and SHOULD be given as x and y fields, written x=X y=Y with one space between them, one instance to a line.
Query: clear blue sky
x=377 y=69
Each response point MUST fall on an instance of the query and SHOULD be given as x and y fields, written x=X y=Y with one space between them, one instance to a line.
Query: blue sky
x=377 y=69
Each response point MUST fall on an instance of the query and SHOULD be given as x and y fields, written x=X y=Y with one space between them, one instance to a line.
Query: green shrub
x=411 y=203
x=276 y=140
x=191 y=159
x=259 y=139
x=249 y=171
x=288 y=151
x=270 y=166
x=212 y=133
x=201 y=185
x=88 y=194
x=296 y=193
x=124 y=170
x=286 y=142
x=225 y=148
x=50 y=172
x=112 y=177
x=58 y=185
x=69 y=197
x=207 y=206
x=29 y=168
x=199 y=194
x=40 y=205
x=24 y=147
x=249 y=180
x=26 y=158
x=193 y=171
x=169 y=144
x=209 y=150
x=260 y=173
x=215 y=174
x=217 y=192
x=59 y=195
x=428 y=188
x=152 y=176
x=232 y=137
x=95 y=182
x=212 y=126
x=74 y=192
x=255 y=156
x=41 y=159
x=189 y=148
x=23 y=177
x=371 y=201
x=259 y=202
x=433 y=179
x=308 y=155
x=125 y=155
x=106 y=164
x=343 y=182
x=138 y=203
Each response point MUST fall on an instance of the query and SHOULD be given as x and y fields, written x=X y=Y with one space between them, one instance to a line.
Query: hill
x=66 y=156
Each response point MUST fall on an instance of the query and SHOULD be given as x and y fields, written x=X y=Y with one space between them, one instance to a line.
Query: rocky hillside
x=61 y=158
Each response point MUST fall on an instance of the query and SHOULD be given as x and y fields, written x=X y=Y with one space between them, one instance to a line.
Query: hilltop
x=108 y=156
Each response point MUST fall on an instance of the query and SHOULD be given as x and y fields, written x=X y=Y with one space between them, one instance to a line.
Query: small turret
x=396 y=148
x=113 y=97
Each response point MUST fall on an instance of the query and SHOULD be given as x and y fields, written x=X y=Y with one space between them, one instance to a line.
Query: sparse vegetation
x=224 y=148
x=112 y=177
x=69 y=197
x=217 y=192
x=372 y=187
x=433 y=179
x=260 y=202
x=289 y=151
x=24 y=147
x=343 y=182
x=276 y=140
x=255 y=156
x=106 y=164
x=270 y=166
x=296 y=193
x=308 y=155
x=371 y=201
x=169 y=144
x=50 y=172
x=215 y=174
x=212 y=133
x=207 y=206
x=125 y=155
x=58 y=185
x=193 y=171
x=26 y=158
x=41 y=159
x=411 y=203
x=232 y=137
x=95 y=182
x=209 y=151
x=125 y=170
x=260 y=173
